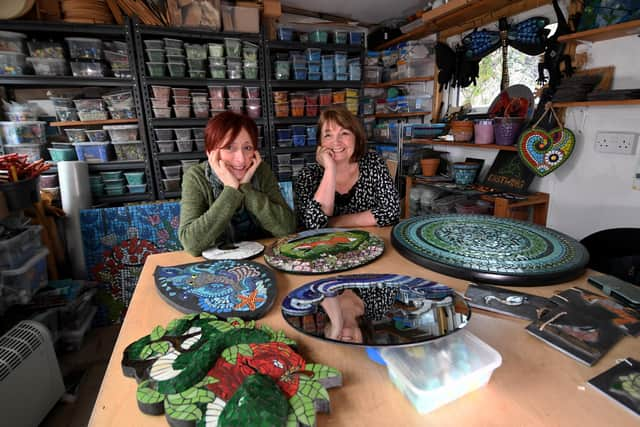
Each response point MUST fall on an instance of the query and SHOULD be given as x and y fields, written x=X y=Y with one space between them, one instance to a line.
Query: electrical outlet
x=615 y=142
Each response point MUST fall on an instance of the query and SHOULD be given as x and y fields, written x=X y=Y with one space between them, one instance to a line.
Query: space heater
x=30 y=377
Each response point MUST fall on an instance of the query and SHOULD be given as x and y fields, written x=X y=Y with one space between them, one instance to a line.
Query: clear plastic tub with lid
x=12 y=42
x=23 y=244
x=233 y=47
x=438 y=372
x=19 y=284
x=12 y=63
x=84 y=48
x=128 y=150
x=87 y=69
x=119 y=133
x=45 y=49
x=92 y=152
x=30 y=132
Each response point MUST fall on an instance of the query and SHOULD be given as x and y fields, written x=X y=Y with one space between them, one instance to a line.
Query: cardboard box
x=242 y=18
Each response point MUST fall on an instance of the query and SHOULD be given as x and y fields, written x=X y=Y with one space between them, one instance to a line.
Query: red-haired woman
x=349 y=187
x=233 y=192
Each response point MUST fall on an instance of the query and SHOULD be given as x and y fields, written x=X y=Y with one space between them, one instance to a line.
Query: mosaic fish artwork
x=324 y=250
x=488 y=249
x=200 y=371
x=226 y=288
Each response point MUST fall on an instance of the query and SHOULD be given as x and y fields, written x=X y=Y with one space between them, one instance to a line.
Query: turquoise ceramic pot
x=464 y=173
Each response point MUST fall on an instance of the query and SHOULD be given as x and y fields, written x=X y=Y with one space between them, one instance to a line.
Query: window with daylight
x=523 y=69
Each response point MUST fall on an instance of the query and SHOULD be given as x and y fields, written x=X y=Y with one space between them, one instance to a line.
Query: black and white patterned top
x=374 y=190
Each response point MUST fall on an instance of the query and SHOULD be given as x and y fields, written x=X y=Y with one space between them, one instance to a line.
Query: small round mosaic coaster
x=241 y=250
x=325 y=250
x=489 y=249
x=226 y=288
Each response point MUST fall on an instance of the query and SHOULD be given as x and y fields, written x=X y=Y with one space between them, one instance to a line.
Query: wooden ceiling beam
x=320 y=15
x=458 y=16
x=492 y=16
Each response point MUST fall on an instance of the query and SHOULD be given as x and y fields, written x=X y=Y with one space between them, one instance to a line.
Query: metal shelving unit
x=201 y=36
x=271 y=48
x=57 y=31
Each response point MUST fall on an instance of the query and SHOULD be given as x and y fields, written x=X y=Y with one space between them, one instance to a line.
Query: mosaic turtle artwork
x=226 y=288
x=325 y=250
x=241 y=250
x=201 y=371
x=489 y=249
x=396 y=310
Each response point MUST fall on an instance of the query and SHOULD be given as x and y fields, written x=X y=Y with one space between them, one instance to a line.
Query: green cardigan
x=203 y=219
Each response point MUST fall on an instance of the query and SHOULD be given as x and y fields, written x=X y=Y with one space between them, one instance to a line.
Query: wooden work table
x=536 y=385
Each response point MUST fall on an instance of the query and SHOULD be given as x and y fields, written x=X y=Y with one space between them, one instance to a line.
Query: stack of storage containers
x=120 y=104
x=117 y=55
x=339 y=36
x=196 y=58
x=23 y=265
x=47 y=58
x=125 y=142
x=24 y=137
x=86 y=56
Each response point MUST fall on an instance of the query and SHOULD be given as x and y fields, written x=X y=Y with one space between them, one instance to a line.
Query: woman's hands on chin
x=252 y=169
x=220 y=169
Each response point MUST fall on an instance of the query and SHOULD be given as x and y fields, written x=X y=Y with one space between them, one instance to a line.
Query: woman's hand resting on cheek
x=221 y=170
x=324 y=157
x=252 y=169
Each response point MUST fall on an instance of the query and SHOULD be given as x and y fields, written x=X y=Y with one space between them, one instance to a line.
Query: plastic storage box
x=19 y=284
x=441 y=371
x=21 y=247
x=33 y=151
x=92 y=151
x=128 y=150
x=23 y=132
x=73 y=338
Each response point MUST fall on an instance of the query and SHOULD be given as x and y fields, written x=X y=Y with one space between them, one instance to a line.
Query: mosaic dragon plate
x=325 y=250
x=226 y=288
x=397 y=310
x=489 y=249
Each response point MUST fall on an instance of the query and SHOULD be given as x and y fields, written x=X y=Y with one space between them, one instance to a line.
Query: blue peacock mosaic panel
x=116 y=243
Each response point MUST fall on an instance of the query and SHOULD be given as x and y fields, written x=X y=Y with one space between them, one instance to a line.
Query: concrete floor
x=87 y=364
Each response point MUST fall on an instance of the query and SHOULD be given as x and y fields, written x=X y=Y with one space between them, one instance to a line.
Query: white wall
x=593 y=191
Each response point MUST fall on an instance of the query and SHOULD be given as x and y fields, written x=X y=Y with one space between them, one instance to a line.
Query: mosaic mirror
x=489 y=249
x=375 y=310
x=226 y=288
x=325 y=250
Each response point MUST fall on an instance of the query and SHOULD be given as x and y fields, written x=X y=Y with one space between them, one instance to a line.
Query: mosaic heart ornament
x=543 y=152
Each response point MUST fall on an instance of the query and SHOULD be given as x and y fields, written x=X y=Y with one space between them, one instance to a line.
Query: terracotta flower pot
x=429 y=166
x=462 y=130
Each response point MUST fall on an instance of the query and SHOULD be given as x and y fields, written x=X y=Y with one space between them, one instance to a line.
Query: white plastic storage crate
x=438 y=372
x=19 y=284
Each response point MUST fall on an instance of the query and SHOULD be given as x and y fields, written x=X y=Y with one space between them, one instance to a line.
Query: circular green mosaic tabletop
x=489 y=249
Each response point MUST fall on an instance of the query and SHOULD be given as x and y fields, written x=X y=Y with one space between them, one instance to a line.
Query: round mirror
x=376 y=309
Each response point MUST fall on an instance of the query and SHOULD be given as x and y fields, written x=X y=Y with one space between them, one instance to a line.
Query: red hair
x=225 y=127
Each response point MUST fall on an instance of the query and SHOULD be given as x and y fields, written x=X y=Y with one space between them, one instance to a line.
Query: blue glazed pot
x=464 y=173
